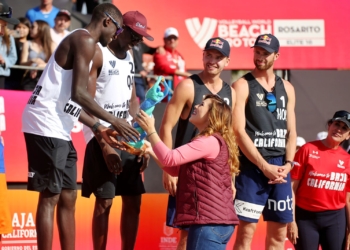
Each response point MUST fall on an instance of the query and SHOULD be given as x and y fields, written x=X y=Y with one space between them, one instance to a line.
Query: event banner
x=311 y=33
x=152 y=234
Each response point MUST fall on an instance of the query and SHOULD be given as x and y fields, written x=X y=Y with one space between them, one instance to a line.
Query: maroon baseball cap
x=64 y=13
x=137 y=22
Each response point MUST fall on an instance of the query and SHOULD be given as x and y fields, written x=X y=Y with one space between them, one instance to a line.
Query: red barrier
x=152 y=235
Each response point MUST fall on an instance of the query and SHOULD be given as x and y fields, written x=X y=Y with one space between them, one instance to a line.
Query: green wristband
x=151 y=134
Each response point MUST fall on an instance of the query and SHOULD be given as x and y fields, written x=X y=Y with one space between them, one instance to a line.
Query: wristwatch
x=96 y=125
x=291 y=163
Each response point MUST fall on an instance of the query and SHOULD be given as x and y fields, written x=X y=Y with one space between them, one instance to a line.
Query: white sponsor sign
x=300 y=33
x=243 y=32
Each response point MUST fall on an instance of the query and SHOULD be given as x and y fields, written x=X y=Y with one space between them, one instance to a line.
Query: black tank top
x=266 y=129
x=186 y=130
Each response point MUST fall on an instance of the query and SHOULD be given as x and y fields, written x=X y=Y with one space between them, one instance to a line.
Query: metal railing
x=170 y=78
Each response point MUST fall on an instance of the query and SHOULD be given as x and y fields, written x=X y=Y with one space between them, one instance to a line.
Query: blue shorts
x=170 y=213
x=255 y=196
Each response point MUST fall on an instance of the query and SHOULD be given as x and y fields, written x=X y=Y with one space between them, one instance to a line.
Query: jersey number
x=130 y=78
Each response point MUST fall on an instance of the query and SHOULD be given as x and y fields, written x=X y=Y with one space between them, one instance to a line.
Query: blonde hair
x=6 y=40
x=220 y=121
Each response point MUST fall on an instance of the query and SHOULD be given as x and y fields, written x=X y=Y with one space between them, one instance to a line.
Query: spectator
x=172 y=62
x=90 y=5
x=300 y=142
x=36 y=52
x=321 y=135
x=62 y=23
x=45 y=11
x=321 y=190
x=8 y=54
x=141 y=82
x=21 y=32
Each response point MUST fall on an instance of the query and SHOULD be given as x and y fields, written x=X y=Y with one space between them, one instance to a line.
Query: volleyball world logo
x=201 y=32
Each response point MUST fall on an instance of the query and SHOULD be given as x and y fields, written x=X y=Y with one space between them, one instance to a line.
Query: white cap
x=171 y=32
x=321 y=135
x=300 y=141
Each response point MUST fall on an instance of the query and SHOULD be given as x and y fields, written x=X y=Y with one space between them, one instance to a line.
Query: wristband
x=151 y=134
x=96 y=125
x=291 y=163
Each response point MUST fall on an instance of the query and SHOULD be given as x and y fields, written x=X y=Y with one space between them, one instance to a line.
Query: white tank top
x=50 y=111
x=114 y=87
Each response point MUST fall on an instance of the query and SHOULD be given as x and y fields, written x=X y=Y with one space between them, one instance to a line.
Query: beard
x=263 y=67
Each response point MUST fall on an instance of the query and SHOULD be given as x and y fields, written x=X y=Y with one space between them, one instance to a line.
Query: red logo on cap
x=265 y=39
x=217 y=43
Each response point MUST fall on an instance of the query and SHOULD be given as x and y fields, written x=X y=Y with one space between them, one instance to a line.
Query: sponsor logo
x=217 y=43
x=112 y=63
x=112 y=72
x=247 y=209
x=168 y=241
x=260 y=96
x=260 y=102
x=265 y=39
x=300 y=33
x=280 y=205
x=201 y=32
x=340 y=165
x=140 y=25
x=314 y=155
x=243 y=32
x=23 y=235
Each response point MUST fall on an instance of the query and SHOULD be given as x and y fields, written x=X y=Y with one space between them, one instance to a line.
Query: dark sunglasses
x=7 y=14
x=134 y=37
x=342 y=114
x=119 y=29
x=271 y=102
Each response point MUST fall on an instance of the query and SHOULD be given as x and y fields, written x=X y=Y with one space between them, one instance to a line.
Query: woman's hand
x=292 y=232
x=145 y=121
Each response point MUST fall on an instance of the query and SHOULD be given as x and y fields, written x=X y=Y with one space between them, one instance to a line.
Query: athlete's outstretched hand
x=109 y=135
x=292 y=232
x=125 y=130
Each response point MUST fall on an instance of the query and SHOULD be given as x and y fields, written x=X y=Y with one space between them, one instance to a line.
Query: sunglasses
x=134 y=37
x=119 y=29
x=271 y=102
x=342 y=114
x=218 y=98
x=7 y=14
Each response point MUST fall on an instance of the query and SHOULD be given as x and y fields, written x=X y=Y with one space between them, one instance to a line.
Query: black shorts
x=97 y=179
x=52 y=163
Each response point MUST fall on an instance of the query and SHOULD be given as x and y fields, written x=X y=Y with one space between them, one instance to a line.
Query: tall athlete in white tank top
x=114 y=93
x=113 y=87
x=50 y=111
x=49 y=118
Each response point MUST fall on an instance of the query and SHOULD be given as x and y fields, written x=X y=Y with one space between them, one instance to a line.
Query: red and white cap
x=137 y=22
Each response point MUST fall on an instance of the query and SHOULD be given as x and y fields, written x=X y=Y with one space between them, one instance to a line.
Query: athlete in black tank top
x=186 y=130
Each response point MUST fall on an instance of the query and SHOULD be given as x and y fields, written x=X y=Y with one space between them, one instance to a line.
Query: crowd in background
x=31 y=43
